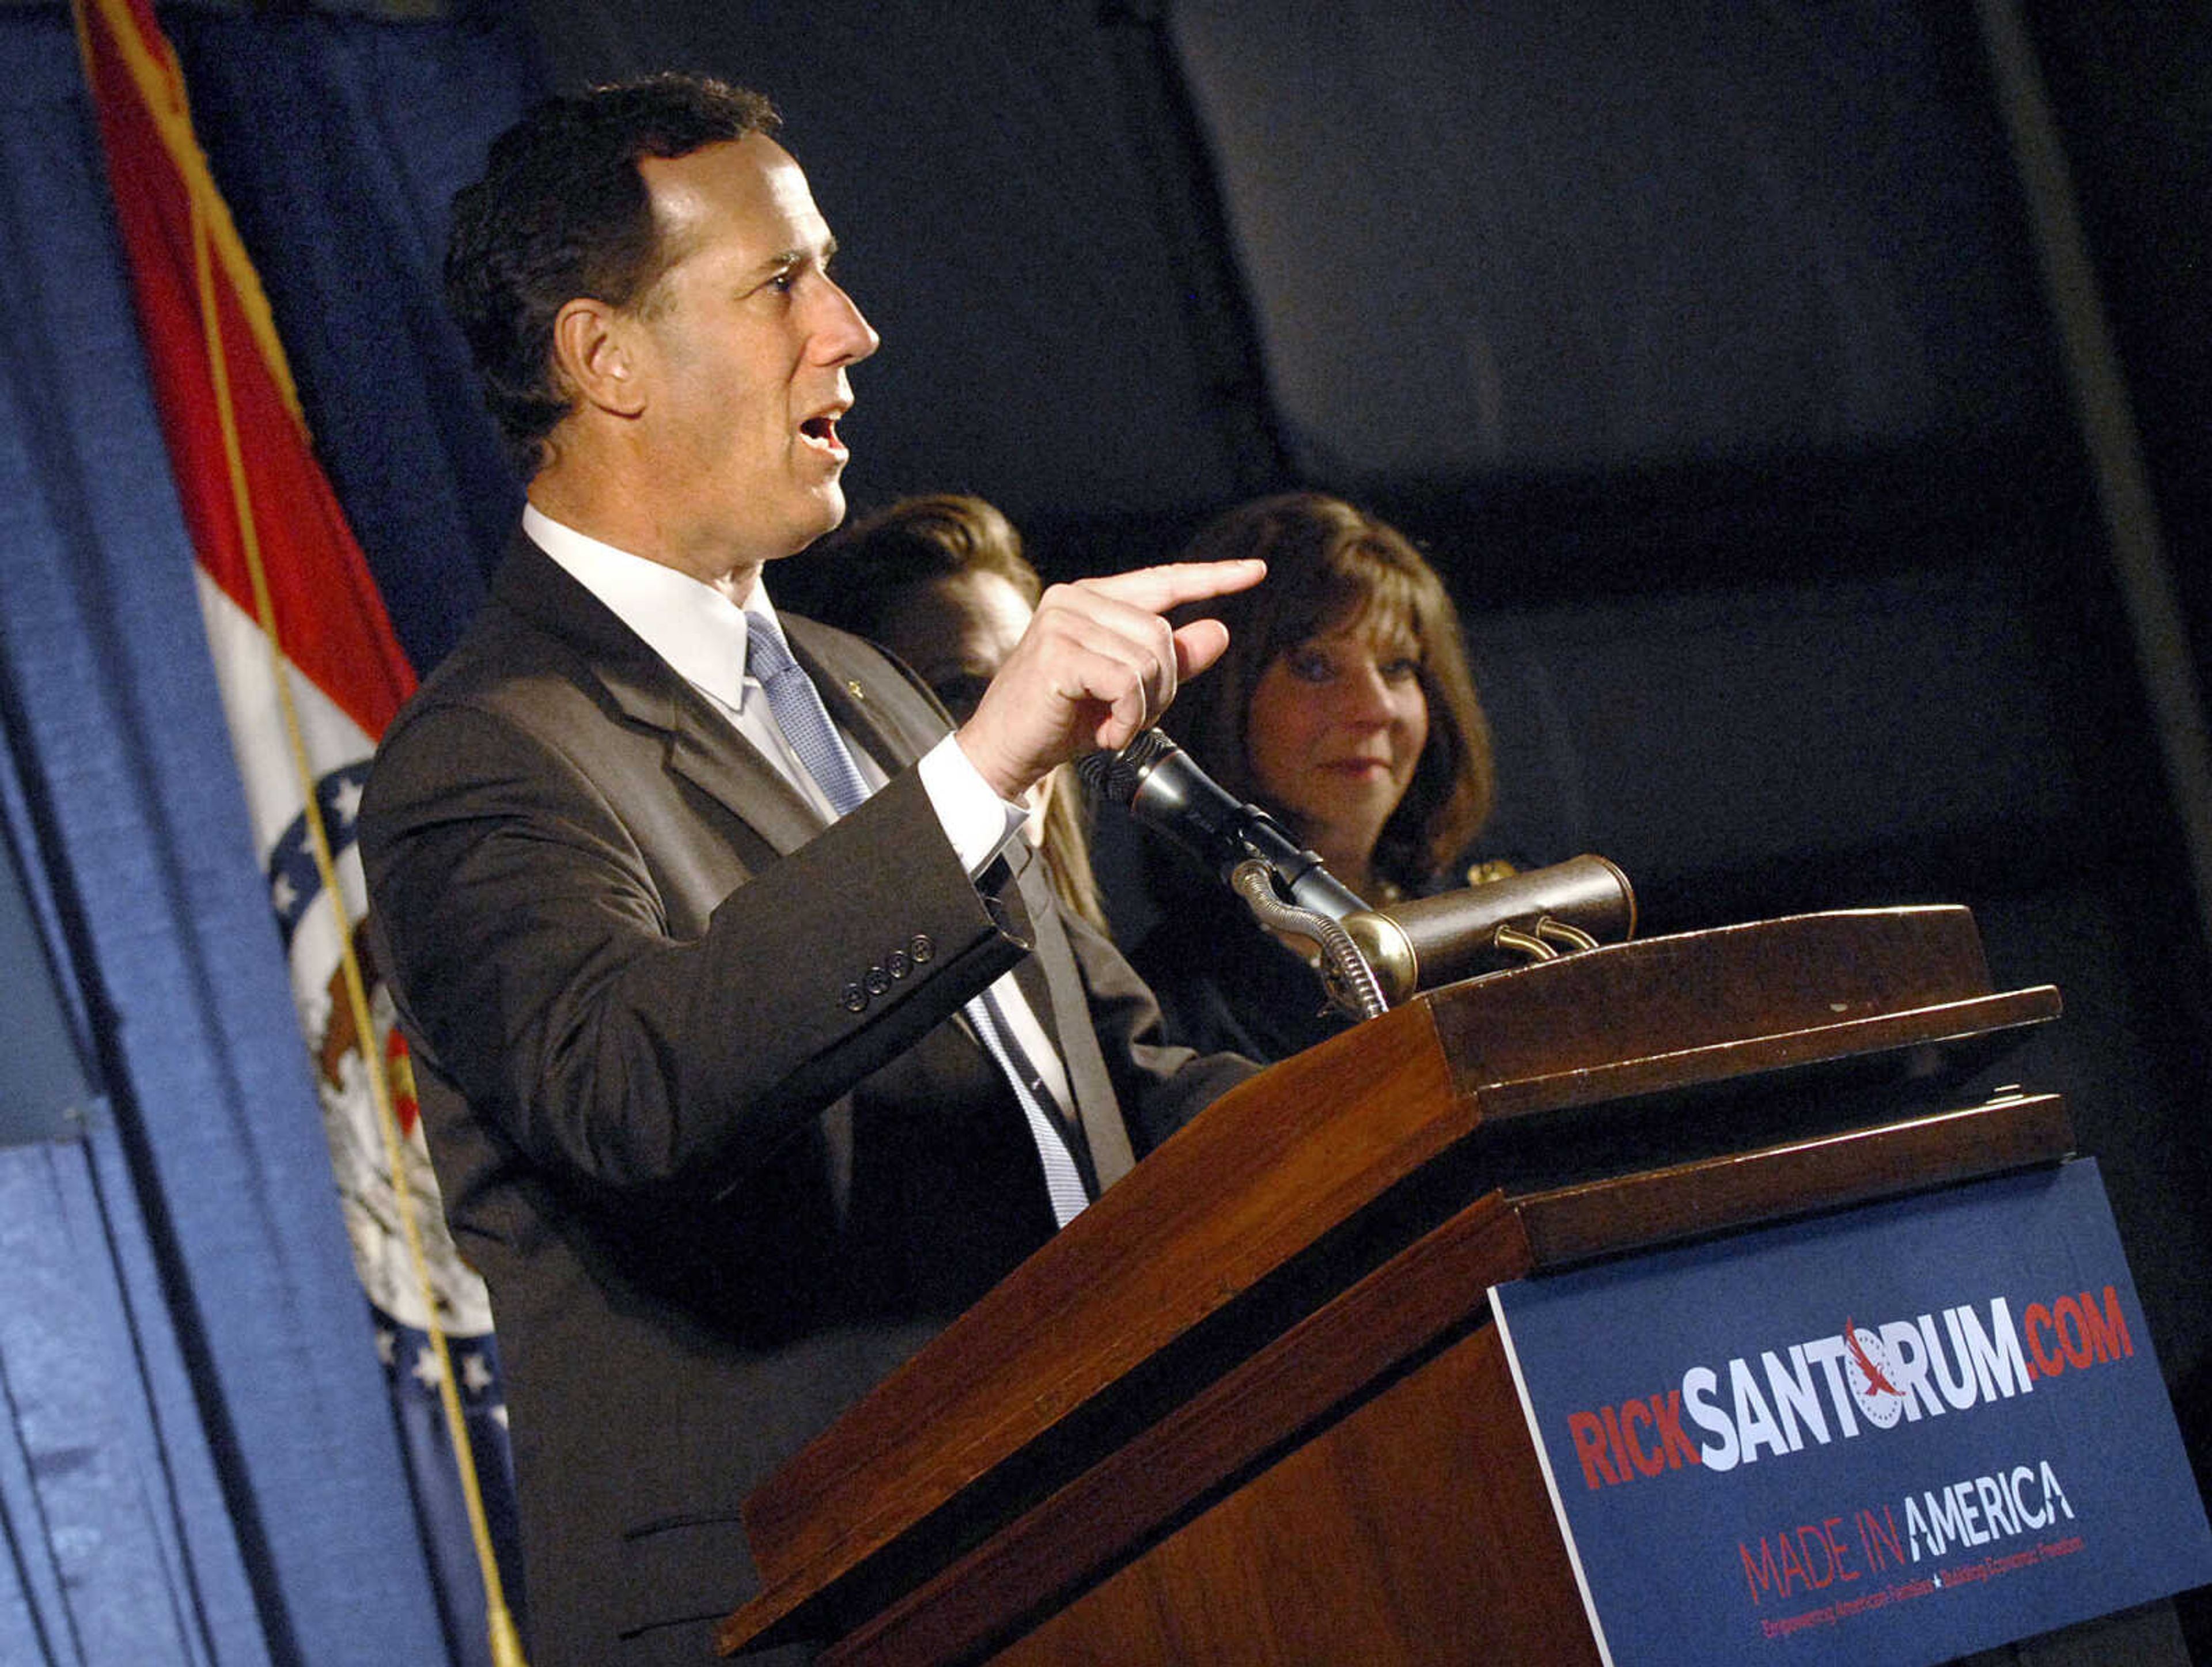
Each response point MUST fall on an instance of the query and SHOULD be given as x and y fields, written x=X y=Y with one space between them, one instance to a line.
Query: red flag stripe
x=329 y=622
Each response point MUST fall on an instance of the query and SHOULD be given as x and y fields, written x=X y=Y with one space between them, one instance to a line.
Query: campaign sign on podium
x=1898 y=1434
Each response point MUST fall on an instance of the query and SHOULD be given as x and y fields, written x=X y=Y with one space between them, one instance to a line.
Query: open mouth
x=822 y=431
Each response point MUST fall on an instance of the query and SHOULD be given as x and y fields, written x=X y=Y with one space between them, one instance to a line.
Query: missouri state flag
x=310 y=674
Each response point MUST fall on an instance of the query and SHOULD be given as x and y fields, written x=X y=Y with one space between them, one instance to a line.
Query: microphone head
x=1115 y=777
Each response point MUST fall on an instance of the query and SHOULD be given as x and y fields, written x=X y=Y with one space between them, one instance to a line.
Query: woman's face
x=1336 y=725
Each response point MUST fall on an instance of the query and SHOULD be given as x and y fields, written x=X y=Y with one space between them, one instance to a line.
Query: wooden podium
x=1249 y=1406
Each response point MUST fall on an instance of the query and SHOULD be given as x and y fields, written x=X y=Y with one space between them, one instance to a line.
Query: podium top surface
x=1299 y=1151
x=1637 y=1017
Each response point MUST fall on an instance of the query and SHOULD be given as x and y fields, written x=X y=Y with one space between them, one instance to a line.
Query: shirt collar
x=698 y=630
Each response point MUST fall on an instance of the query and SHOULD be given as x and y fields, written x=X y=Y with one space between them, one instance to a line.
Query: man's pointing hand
x=1099 y=665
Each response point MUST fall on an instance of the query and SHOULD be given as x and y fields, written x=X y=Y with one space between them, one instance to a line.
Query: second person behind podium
x=1345 y=708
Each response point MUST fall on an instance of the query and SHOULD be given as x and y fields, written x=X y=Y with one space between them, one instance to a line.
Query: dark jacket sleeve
x=531 y=939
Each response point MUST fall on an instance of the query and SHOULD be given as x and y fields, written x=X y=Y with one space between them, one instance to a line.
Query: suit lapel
x=704 y=747
x=895 y=721
x=707 y=750
x=879 y=713
x=1023 y=898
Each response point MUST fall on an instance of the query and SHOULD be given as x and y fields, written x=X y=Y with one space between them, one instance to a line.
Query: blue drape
x=198 y=1460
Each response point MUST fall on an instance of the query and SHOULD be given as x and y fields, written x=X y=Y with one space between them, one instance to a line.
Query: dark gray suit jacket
x=693 y=1081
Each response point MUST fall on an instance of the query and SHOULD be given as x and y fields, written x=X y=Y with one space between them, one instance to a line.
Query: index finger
x=1157 y=589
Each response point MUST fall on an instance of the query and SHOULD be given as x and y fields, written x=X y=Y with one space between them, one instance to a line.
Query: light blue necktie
x=805 y=724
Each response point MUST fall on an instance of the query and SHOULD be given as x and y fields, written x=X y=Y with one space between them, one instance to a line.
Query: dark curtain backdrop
x=2134 y=83
x=1607 y=236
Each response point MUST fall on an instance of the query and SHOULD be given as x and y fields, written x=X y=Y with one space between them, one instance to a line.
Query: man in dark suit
x=751 y=1044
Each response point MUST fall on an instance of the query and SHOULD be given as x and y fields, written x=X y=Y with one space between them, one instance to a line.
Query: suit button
x=878 y=981
x=852 y=998
x=897 y=963
x=921 y=946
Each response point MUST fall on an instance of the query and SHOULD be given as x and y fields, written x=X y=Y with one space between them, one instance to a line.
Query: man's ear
x=595 y=353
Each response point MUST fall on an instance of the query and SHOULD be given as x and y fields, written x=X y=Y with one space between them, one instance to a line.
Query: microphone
x=1160 y=784
x=1420 y=944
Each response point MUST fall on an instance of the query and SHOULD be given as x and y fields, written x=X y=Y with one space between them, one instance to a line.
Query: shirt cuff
x=975 y=818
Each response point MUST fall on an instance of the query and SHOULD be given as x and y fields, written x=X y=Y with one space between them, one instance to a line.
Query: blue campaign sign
x=1900 y=1434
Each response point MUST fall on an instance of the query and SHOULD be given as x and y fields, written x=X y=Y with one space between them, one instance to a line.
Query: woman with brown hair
x=1344 y=707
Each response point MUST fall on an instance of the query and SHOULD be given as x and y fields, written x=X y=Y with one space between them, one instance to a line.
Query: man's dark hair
x=561 y=212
